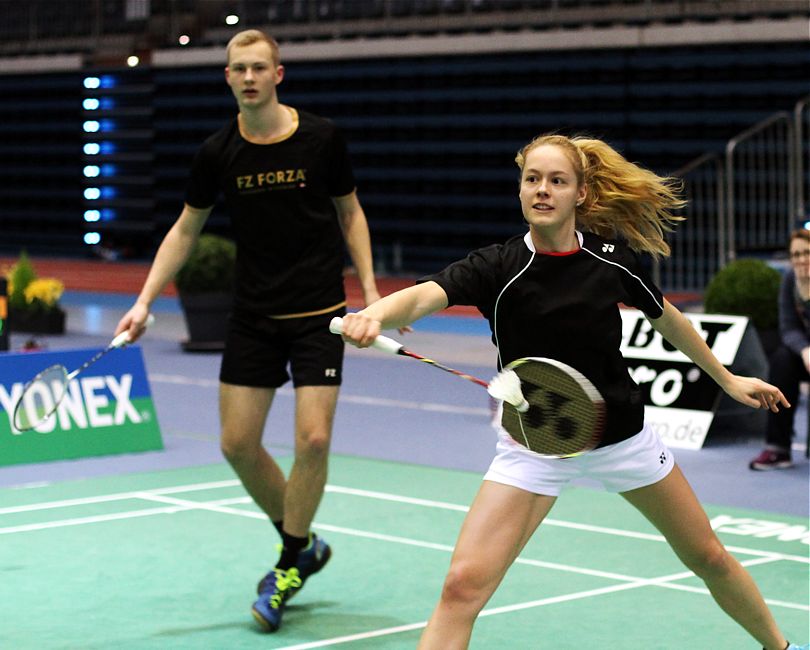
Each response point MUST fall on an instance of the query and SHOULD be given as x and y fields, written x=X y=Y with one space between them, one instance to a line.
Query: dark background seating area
x=432 y=138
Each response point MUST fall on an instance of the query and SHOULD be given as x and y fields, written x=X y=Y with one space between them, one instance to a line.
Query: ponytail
x=623 y=200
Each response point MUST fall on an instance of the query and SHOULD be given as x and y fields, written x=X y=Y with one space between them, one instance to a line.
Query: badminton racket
x=42 y=395
x=549 y=407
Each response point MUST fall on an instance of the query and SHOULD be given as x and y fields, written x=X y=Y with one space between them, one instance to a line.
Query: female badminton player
x=555 y=293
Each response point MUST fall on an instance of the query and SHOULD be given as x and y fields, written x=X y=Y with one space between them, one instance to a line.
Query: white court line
x=222 y=508
x=628 y=582
x=344 y=397
x=120 y=496
x=195 y=487
x=661 y=581
x=130 y=514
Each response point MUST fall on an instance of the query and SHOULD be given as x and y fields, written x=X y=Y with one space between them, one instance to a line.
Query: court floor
x=168 y=560
x=163 y=549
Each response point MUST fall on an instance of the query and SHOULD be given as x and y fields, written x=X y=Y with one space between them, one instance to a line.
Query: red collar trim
x=560 y=254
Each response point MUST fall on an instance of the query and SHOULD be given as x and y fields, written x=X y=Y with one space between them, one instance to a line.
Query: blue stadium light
x=91 y=148
x=108 y=148
x=108 y=215
x=108 y=192
x=90 y=104
x=108 y=170
x=107 y=103
x=92 y=215
x=91 y=171
x=91 y=238
x=90 y=126
x=107 y=125
x=92 y=82
x=108 y=81
x=92 y=193
x=807 y=225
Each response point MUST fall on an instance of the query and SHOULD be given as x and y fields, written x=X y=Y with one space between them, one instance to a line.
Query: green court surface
x=171 y=559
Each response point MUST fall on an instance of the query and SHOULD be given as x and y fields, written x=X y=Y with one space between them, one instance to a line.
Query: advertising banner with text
x=680 y=398
x=107 y=409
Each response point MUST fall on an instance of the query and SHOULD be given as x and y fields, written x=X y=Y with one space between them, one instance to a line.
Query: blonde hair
x=623 y=200
x=251 y=36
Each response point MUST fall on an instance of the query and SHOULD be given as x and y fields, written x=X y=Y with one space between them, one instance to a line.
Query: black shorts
x=259 y=349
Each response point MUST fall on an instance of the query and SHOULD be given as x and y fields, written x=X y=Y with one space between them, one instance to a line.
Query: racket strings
x=564 y=416
x=40 y=398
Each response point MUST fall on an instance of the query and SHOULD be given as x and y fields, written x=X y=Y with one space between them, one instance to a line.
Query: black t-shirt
x=561 y=306
x=290 y=250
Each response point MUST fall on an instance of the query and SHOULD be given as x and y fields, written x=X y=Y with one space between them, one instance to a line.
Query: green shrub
x=746 y=287
x=210 y=268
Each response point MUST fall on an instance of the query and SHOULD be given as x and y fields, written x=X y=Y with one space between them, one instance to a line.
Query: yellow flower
x=45 y=290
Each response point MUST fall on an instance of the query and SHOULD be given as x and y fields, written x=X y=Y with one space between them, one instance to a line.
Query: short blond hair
x=799 y=233
x=251 y=36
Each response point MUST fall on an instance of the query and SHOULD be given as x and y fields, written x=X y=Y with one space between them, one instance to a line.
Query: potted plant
x=205 y=287
x=748 y=287
x=33 y=303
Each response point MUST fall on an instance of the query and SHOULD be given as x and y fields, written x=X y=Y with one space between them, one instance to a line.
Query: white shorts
x=633 y=463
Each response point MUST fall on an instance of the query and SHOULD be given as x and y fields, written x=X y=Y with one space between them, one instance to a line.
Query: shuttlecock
x=506 y=386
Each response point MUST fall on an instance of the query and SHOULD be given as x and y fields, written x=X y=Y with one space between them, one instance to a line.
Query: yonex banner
x=107 y=409
x=680 y=398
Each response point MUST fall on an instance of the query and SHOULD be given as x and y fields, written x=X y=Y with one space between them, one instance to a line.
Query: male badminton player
x=554 y=293
x=290 y=194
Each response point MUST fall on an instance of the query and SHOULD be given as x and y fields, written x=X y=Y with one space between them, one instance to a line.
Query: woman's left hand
x=756 y=393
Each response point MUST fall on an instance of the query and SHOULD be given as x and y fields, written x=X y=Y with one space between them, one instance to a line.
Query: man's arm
x=676 y=329
x=353 y=223
x=172 y=254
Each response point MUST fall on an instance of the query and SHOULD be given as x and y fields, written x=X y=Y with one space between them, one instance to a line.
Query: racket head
x=40 y=398
x=566 y=415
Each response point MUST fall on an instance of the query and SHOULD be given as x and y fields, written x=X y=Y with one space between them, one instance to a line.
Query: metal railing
x=801 y=130
x=745 y=202
x=760 y=186
x=698 y=243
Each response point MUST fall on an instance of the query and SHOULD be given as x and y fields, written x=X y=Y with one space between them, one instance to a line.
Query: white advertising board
x=680 y=399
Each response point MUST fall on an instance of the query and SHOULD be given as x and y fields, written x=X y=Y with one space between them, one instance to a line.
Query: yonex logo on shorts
x=330 y=372
x=608 y=248
x=662 y=458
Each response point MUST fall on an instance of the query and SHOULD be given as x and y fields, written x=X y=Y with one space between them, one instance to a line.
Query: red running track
x=128 y=277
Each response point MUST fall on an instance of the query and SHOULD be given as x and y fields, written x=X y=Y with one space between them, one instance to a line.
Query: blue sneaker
x=311 y=560
x=269 y=607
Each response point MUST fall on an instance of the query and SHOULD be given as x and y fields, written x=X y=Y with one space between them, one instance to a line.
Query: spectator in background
x=790 y=362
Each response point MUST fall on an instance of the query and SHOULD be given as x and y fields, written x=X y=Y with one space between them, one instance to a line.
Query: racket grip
x=382 y=343
x=123 y=338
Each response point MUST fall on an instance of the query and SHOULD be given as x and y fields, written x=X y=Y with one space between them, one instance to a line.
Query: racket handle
x=382 y=343
x=123 y=338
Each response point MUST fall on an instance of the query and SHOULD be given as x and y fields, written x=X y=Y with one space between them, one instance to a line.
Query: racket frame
x=591 y=392
x=120 y=341
x=392 y=346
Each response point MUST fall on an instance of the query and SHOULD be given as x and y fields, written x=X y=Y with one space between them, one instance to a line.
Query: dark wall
x=433 y=139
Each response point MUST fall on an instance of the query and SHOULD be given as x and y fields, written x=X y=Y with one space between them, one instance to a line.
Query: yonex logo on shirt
x=608 y=248
x=330 y=372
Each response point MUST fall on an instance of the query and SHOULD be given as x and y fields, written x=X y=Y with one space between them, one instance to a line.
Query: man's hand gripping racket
x=42 y=395
x=549 y=407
